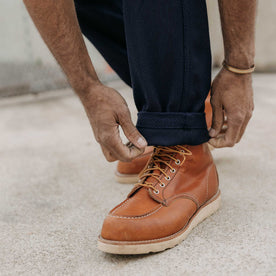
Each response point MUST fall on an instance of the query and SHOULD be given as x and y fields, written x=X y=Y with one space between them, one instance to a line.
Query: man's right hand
x=106 y=110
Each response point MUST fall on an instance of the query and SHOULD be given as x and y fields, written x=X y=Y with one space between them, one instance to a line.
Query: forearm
x=238 y=29
x=58 y=25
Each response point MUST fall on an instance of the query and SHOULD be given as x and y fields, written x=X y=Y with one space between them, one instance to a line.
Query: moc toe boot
x=128 y=172
x=177 y=190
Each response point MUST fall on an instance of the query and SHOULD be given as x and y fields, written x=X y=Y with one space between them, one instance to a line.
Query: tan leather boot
x=177 y=190
x=127 y=172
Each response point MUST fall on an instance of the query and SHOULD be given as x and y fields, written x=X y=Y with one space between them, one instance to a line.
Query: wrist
x=240 y=60
x=236 y=70
x=84 y=86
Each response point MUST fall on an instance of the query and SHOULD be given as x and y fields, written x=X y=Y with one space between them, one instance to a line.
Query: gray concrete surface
x=56 y=187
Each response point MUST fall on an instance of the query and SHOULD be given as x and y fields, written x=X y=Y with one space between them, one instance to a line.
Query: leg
x=179 y=186
x=170 y=64
x=166 y=46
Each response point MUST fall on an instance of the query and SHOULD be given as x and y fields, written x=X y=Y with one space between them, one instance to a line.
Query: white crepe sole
x=144 y=247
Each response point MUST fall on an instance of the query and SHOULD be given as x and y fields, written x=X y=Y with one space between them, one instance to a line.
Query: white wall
x=19 y=41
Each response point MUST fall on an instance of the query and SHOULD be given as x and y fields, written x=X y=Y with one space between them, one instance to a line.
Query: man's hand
x=106 y=110
x=231 y=96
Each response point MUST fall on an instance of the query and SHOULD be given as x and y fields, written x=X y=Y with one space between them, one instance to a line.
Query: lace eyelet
x=173 y=170
x=167 y=178
x=177 y=162
x=156 y=192
x=182 y=150
x=162 y=185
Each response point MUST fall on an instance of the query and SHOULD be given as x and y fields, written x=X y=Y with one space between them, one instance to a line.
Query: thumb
x=217 y=121
x=131 y=132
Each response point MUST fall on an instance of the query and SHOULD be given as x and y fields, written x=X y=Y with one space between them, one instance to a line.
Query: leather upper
x=147 y=214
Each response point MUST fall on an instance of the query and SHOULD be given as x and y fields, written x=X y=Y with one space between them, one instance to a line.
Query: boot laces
x=160 y=159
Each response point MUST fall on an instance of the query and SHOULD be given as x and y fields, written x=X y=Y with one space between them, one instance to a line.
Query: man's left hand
x=231 y=97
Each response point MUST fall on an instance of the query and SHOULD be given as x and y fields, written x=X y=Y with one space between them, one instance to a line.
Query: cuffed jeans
x=161 y=49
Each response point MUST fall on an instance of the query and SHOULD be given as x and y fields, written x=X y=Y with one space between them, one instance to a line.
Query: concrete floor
x=56 y=187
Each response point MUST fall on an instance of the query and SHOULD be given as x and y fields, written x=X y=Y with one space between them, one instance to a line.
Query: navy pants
x=161 y=49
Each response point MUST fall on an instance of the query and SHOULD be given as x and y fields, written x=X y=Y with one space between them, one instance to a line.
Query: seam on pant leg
x=186 y=54
x=184 y=49
x=144 y=95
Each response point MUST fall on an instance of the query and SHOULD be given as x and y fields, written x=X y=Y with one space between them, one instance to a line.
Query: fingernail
x=212 y=132
x=142 y=142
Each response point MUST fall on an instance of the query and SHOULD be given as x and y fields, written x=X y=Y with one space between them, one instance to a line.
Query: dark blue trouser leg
x=161 y=48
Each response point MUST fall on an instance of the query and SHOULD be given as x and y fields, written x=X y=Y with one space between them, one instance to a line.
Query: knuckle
x=123 y=112
x=109 y=158
x=230 y=143
x=97 y=138
x=249 y=114
x=132 y=133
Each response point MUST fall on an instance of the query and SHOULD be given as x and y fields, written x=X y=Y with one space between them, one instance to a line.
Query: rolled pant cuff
x=173 y=128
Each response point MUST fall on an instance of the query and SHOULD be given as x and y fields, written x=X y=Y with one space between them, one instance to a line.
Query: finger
x=108 y=155
x=118 y=150
x=230 y=138
x=243 y=128
x=123 y=152
x=217 y=122
x=130 y=131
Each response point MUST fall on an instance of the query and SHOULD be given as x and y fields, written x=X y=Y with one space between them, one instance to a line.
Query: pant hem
x=173 y=128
